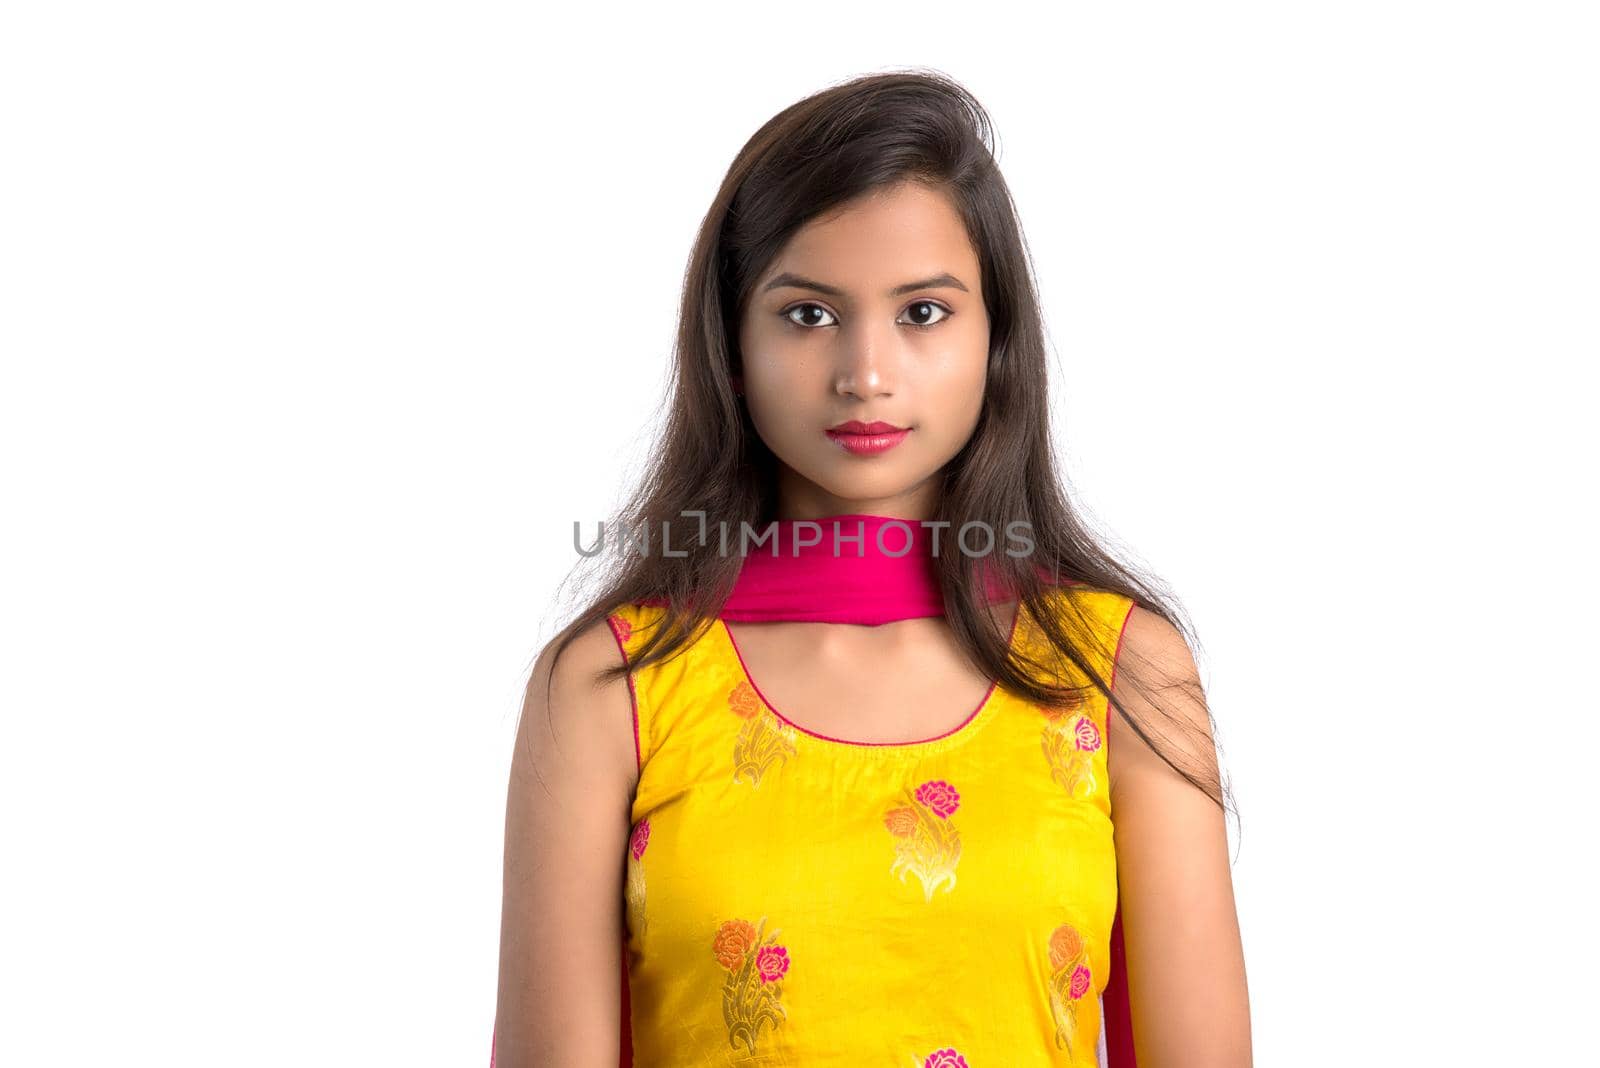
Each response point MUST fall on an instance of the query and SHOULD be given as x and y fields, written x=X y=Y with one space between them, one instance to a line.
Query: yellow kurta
x=794 y=899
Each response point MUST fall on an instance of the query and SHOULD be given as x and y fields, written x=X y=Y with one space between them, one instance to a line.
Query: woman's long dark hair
x=828 y=149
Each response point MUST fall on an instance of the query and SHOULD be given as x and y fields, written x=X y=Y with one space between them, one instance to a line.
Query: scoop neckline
x=969 y=726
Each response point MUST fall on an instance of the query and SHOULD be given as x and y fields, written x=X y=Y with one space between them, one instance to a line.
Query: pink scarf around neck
x=849 y=568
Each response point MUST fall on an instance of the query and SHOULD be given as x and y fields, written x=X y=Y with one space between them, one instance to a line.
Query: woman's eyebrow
x=795 y=281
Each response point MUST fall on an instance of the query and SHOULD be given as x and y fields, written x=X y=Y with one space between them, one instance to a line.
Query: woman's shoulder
x=1156 y=678
x=575 y=712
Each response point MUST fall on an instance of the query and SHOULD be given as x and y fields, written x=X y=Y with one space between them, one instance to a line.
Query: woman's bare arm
x=1185 y=959
x=573 y=773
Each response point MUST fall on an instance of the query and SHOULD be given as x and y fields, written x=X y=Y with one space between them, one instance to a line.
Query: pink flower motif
x=939 y=796
x=641 y=838
x=624 y=628
x=772 y=962
x=1088 y=735
x=945 y=1058
x=1080 y=981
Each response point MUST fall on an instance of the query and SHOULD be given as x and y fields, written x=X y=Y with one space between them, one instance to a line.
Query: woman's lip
x=868 y=444
x=856 y=426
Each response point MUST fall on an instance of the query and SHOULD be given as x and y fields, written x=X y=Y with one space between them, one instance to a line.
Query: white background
x=321 y=322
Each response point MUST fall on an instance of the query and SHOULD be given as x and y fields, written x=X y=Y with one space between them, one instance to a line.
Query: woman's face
x=874 y=313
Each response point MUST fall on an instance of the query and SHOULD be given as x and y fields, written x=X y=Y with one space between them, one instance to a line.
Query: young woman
x=925 y=779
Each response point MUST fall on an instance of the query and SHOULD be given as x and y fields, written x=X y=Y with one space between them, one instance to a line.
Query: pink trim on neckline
x=983 y=705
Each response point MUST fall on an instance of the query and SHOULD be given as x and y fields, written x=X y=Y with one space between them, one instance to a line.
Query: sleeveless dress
x=797 y=899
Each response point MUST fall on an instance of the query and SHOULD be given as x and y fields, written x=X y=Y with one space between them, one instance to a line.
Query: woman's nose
x=868 y=362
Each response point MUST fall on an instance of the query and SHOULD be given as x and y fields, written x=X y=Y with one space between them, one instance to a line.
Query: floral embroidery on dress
x=755 y=965
x=1071 y=739
x=926 y=843
x=1069 y=981
x=635 y=884
x=940 y=1058
x=763 y=739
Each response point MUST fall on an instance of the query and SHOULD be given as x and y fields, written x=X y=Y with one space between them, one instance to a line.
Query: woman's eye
x=813 y=308
x=928 y=307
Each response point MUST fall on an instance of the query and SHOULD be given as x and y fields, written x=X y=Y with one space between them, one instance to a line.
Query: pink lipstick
x=868 y=439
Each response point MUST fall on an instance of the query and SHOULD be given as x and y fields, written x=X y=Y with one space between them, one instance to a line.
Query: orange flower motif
x=1065 y=946
x=734 y=939
x=902 y=822
x=744 y=701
